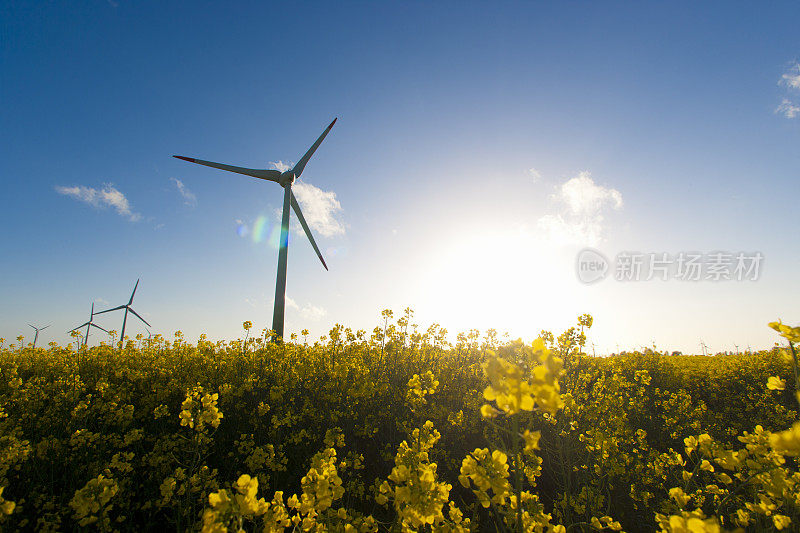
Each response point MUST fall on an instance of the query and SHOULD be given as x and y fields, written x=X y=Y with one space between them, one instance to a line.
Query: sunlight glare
x=512 y=281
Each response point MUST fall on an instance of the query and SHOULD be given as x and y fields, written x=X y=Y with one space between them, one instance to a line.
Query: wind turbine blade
x=47 y=326
x=134 y=292
x=109 y=310
x=92 y=311
x=98 y=327
x=303 y=223
x=79 y=327
x=140 y=318
x=269 y=175
x=298 y=168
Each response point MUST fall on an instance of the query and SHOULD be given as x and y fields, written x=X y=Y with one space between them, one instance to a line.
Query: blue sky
x=479 y=148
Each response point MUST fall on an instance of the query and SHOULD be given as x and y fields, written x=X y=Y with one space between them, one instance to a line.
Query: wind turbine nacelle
x=287 y=178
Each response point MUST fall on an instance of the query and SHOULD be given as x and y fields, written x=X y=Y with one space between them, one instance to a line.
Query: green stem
x=517 y=472
x=796 y=372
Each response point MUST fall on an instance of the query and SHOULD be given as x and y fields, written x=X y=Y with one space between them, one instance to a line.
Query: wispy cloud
x=584 y=197
x=313 y=312
x=308 y=311
x=581 y=205
x=788 y=109
x=792 y=78
x=535 y=174
x=189 y=198
x=320 y=208
x=282 y=166
x=109 y=196
x=254 y=303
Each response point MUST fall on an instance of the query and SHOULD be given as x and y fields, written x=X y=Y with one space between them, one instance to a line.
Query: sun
x=511 y=281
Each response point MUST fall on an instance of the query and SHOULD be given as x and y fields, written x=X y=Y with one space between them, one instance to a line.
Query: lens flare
x=258 y=229
x=241 y=230
x=274 y=238
x=334 y=251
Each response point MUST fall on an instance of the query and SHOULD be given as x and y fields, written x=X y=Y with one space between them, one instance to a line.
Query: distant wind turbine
x=127 y=307
x=285 y=180
x=89 y=325
x=36 y=337
x=149 y=338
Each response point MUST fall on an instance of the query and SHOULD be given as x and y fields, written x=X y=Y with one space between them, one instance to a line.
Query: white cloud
x=255 y=304
x=788 y=109
x=189 y=197
x=312 y=312
x=792 y=78
x=320 y=209
x=109 y=196
x=584 y=197
x=281 y=165
x=582 y=204
x=792 y=81
x=535 y=174
x=308 y=311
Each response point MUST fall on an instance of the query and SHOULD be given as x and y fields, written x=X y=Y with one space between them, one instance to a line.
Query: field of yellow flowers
x=397 y=430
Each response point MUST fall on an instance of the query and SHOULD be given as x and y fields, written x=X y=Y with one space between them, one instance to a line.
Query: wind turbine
x=36 y=337
x=127 y=307
x=285 y=180
x=89 y=325
x=149 y=338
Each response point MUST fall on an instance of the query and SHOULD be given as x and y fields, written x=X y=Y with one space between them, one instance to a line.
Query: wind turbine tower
x=285 y=180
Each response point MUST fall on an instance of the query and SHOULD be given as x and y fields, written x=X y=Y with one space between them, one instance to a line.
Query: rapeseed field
x=397 y=430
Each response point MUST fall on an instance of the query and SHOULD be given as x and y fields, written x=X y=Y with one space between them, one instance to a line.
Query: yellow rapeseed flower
x=776 y=383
